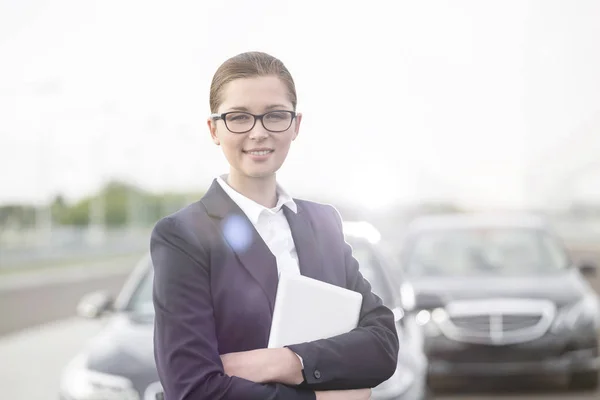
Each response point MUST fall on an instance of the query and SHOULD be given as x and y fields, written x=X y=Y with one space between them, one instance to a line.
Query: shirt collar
x=251 y=208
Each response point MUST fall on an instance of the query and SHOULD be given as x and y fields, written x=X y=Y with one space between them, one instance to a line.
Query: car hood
x=561 y=288
x=124 y=347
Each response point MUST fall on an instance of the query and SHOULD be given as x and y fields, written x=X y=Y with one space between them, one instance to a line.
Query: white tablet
x=307 y=309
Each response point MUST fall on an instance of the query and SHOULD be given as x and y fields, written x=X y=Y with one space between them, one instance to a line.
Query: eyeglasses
x=242 y=122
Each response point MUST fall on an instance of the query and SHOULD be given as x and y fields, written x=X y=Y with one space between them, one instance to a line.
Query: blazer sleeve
x=363 y=357
x=185 y=344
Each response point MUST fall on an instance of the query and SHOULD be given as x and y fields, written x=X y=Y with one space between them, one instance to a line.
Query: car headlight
x=430 y=321
x=586 y=311
x=80 y=383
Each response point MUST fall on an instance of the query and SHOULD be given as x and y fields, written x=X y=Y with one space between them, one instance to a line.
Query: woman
x=217 y=263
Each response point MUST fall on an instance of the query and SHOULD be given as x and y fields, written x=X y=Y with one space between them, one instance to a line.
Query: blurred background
x=410 y=108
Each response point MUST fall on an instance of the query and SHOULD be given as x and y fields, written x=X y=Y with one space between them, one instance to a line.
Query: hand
x=356 y=394
x=264 y=365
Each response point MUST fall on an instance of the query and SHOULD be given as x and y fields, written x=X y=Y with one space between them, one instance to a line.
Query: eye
x=278 y=115
x=238 y=117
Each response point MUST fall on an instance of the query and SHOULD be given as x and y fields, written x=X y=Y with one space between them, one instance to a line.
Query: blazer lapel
x=305 y=243
x=251 y=250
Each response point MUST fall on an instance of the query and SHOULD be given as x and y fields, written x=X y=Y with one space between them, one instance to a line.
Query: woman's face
x=257 y=153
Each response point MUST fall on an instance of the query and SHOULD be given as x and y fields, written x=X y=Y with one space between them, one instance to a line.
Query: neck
x=261 y=190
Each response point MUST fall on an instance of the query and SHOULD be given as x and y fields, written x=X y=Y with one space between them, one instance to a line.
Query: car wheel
x=584 y=380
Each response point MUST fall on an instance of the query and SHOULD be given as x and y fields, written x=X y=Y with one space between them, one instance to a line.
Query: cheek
x=283 y=148
x=284 y=143
x=231 y=147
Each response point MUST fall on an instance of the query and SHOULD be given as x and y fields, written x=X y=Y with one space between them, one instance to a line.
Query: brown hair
x=249 y=65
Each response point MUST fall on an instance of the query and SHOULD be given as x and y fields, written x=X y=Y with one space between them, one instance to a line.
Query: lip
x=261 y=157
x=258 y=149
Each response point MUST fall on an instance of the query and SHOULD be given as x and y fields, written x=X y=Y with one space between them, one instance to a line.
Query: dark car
x=497 y=296
x=118 y=363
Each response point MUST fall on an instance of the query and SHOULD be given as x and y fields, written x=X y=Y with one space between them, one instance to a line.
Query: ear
x=212 y=127
x=297 y=126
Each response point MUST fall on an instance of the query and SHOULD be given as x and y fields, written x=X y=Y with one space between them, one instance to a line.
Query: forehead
x=255 y=94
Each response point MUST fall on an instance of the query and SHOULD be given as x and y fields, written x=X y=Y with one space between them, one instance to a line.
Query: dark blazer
x=214 y=290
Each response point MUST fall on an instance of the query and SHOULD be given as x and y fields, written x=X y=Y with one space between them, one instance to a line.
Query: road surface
x=37 y=297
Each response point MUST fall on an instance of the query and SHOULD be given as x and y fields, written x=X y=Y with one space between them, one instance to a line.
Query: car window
x=500 y=251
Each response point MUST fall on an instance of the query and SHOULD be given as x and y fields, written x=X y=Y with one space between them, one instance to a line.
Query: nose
x=258 y=132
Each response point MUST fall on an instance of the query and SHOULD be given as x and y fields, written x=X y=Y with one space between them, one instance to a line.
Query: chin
x=260 y=175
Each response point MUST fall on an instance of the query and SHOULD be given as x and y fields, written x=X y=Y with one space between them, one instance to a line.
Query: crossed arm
x=191 y=367
x=280 y=366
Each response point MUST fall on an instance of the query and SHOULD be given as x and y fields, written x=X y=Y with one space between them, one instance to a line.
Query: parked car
x=119 y=362
x=498 y=296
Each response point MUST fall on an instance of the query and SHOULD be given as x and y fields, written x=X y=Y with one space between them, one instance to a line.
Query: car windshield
x=486 y=251
x=141 y=299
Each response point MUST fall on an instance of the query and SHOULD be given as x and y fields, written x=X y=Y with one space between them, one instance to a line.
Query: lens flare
x=238 y=232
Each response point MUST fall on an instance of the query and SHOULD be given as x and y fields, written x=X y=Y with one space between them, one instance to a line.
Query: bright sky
x=402 y=100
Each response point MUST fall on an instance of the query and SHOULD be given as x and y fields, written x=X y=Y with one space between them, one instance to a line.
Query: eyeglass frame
x=222 y=117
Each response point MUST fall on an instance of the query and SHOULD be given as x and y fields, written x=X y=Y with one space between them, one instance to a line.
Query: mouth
x=258 y=152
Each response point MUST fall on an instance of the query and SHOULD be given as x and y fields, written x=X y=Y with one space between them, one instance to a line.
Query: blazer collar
x=216 y=201
x=219 y=203
x=251 y=208
x=303 y=233
x=250 y=248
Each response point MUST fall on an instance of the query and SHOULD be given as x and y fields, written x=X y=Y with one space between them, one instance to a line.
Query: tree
x=124 y=205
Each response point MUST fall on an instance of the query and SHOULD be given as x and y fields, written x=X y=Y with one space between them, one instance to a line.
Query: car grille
x=485 y=323
x=497 y=321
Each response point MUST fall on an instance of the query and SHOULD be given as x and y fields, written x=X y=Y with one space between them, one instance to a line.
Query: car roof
x=478 y=221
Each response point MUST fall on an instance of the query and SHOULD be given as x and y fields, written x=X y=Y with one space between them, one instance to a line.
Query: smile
x=258 y=152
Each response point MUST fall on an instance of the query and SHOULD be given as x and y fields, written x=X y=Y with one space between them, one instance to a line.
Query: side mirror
x=588 y=268
x=94 y=305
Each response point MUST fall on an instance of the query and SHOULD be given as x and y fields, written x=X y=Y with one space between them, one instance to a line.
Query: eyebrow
x=275 y=106
x=270 y=107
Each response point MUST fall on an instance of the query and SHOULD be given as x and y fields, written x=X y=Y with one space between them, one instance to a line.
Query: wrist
x=286 y=367
x=320 y=395
x=272 y=365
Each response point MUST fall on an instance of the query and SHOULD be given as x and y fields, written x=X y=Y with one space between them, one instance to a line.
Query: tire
x=584 y=381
